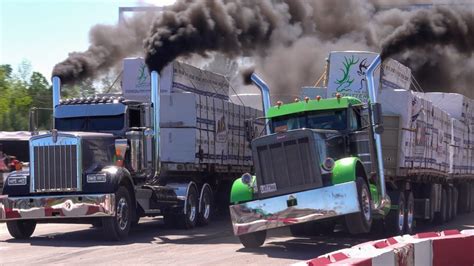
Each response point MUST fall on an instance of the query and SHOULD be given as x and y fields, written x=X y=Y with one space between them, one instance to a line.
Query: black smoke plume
x=109 y=44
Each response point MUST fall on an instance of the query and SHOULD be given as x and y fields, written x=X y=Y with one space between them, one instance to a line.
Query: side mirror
x=378 y=129
x=33 y=125
x=249 y=131
x=377 y=113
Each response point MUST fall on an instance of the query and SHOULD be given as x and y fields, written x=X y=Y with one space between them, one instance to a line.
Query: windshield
x=93 y=123
x=325 y=119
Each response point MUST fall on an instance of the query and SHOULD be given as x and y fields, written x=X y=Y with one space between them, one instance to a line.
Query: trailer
x=171 y=145
x=368 y=153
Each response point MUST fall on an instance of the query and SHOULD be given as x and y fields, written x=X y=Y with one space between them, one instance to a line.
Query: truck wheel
x=395 y=220
x=360 y=222
x=409 y=213
x=205 y=206
x=118 y=226
x=188 y=220
x=441 y=216
x=253 y=240
x=21 y=229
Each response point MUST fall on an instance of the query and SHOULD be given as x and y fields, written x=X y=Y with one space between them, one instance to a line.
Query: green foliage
x=18 y=93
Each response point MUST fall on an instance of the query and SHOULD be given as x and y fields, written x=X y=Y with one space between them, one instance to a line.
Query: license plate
x=267 y=188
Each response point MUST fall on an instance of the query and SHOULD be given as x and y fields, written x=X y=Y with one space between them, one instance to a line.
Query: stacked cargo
x=199 y=125
x=461 y=112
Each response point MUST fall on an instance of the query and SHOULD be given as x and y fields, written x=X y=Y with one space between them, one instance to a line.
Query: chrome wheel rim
x=122 y=213
x=410 y=215
x=365 y=204
x=401 y=217
x=191 y=208
x=207 y=207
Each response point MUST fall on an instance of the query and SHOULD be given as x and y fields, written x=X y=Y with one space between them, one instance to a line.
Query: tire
x=253 y=240
x=409 y=213
x=188 y=220
x=117 y=227
x=455 y=202
x=442 y=215
x=395 y=220
x=206 y=206
x=360 y=222
x=21 y=229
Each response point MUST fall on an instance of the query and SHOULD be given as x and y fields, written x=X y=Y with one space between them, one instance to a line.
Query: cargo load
x=175 y=77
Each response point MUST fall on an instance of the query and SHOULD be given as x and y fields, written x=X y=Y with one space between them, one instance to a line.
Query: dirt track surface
x=151 y=243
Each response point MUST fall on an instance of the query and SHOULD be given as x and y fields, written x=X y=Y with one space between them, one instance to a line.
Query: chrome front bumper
x=315 y=204
x=56 y=207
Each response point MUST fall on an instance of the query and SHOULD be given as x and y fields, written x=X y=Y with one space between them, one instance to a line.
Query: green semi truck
x=320 y=163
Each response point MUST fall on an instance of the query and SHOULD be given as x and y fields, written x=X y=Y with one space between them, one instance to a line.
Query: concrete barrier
x=449 y=247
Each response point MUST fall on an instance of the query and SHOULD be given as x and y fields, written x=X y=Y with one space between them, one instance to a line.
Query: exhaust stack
x=265 y=96
x=155 y=100
x=385 y=201
x=56 y=93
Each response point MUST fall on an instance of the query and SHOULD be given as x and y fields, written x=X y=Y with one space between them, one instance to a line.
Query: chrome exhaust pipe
x=265 y=97
x=56 y=93
x=385 y=202
x=155 y=100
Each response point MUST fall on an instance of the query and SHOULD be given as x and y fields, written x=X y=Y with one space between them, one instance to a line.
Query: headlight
x=328 y=164
x=247 y=179
x=96 y=178
x=16 y=180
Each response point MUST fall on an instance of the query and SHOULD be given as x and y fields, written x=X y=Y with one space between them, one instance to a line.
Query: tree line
x=21 y=91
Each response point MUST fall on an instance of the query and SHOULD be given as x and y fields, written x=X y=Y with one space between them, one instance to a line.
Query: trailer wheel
x=395 y=220
x=205 y=205
x=360 y=222
x=188 y=220
x=441 y=216
x=253 y=240
x=117 y=227
x=409 y=213
x=21 y=229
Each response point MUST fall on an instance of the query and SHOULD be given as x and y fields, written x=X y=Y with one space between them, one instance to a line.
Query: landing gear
x=361 y=222
x=253 y=240
x=21 y=229
x=442 y=215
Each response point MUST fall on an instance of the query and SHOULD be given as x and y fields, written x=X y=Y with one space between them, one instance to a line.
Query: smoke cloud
x=289 y=40
x=109 y=44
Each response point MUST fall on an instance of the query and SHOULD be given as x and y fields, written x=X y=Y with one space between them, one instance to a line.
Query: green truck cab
x=317 y=162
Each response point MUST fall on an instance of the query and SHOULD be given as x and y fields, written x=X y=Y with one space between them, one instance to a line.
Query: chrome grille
x=55 y=165
x=290 y=163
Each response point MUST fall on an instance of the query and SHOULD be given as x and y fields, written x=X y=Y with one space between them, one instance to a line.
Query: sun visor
x=82 y=110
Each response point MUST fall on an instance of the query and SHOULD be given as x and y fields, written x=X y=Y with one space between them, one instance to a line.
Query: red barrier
x=449 y=247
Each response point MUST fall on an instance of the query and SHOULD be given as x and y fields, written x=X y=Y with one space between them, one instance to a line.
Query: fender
x=19 y=190
x=115 y=175
x=345 y=170
x=241 y=192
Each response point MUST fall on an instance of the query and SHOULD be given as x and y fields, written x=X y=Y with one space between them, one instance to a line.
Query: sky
x=43 y=32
